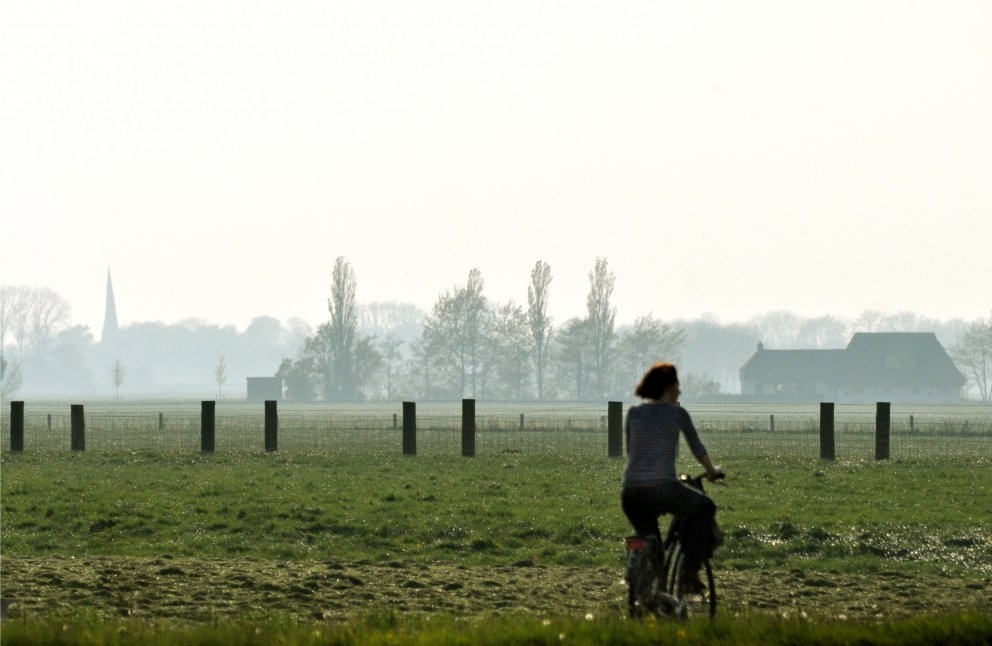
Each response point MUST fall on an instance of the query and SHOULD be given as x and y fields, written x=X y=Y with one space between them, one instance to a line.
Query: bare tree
x=379 y=318
x=473 y=307
x=49 y=314
x=601 y=316
x=778 y=329
x=973 y=352
x=421 y=362
x=869 y=321
x=117 y=373
x=822 y=332
x=368 y=361
x=10 y=378
x=220 y=376
x=389 y=350
x=14 y=304
x=571 y=358
x=13 y=316
x=509 y=342
x=315 y=362
x=718 y=350
x=32 y=316
x=336 y=361
x=10 y=371
x=647 y=341
x=298 y=376
x=454 y=336
x=540 y=322
x=8 y=303
x=343 y=331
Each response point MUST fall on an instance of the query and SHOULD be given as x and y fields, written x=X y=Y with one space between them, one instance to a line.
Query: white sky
x=725 y=157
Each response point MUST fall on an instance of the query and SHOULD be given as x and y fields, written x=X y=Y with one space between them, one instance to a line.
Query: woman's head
x=659 y=378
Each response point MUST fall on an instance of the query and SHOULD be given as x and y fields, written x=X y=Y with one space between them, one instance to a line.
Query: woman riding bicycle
x=651 y=486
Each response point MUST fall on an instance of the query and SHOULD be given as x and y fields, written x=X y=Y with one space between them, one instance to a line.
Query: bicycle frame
x=655 y=569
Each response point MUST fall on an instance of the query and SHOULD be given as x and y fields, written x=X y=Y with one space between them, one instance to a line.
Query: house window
x=900 y=361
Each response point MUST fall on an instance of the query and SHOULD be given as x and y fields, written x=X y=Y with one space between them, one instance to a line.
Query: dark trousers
x=643 y=504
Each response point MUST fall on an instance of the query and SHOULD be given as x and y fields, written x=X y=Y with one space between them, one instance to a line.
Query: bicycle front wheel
x=692 y=603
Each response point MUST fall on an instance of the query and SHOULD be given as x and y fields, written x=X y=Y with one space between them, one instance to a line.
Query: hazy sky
x=724 y=157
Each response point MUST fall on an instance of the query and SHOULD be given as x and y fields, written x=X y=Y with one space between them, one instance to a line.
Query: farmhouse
x=891 y=366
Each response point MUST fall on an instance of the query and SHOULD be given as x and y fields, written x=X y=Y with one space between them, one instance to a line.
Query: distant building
x=110 y=314
x=902 y=367
x=264 y=388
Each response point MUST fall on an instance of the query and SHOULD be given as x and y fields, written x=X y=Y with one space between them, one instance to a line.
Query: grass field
x=325 y=547
x=381 y=630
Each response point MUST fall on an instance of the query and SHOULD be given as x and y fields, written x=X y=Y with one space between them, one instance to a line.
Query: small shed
x=264 y=388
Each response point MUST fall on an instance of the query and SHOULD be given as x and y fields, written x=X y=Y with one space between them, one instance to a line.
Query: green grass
x=846 y=515
x=311 y=507
x=385 y=629
x=786 y=515
x=858 y=516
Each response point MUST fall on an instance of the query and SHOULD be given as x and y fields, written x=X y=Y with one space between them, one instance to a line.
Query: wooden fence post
x=161 y=422
x=77 y=427
x=827 y=431
x=16 y=427
x=882 y=427
x=409 y=428
x=207 y=428
x=771 y=423
x=521 y=421
x=468 y=428
x=271 y=426
x=614 y=413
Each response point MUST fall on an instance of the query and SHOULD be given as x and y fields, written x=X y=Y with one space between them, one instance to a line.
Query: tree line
x=465 y=345
x=470 y=346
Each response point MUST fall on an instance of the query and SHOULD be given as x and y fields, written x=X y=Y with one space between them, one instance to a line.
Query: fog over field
x=399 y=351
x=823 y=159
x=732 y=165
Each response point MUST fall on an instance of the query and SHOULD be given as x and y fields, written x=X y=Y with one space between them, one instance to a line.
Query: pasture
x=352 y=542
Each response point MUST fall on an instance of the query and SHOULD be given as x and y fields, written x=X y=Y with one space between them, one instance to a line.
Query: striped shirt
x=653 y=442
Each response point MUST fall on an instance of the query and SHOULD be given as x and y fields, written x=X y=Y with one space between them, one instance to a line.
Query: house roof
x=901 y=359
x=795 y=365
x=870 y=359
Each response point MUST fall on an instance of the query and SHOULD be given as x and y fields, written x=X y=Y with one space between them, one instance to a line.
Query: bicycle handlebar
x=698 y=480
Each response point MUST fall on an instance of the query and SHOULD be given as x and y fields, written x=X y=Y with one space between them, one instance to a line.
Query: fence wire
x=500 y=427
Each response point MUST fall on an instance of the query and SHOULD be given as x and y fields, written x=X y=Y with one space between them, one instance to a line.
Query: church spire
x=110 y=315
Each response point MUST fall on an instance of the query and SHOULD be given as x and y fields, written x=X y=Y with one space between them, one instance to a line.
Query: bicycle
x=655 y=574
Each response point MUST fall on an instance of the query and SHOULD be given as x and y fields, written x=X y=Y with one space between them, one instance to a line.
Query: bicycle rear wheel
x=646 y=594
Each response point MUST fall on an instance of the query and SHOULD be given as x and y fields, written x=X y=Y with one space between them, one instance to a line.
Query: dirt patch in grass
x=207 y=589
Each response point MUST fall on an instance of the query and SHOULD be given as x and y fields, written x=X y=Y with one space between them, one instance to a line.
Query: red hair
x=657 y=380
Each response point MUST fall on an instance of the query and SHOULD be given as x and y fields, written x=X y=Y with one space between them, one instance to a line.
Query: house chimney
x=761 y=346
